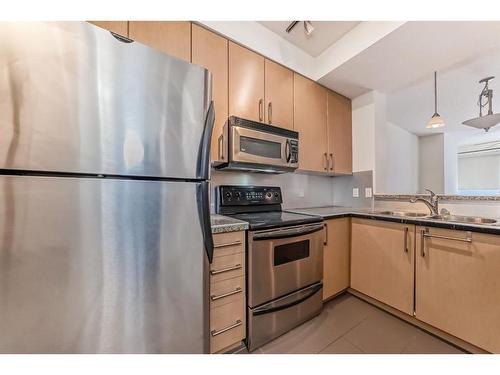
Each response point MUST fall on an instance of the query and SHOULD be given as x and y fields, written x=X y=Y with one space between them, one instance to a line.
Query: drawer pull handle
x=216 y=333
x=232 y=268
x=228 y=244
x=236 y=291
x=406 y=239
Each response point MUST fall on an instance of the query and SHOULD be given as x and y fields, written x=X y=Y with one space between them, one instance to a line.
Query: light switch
x=368 y=192
x=355 y=192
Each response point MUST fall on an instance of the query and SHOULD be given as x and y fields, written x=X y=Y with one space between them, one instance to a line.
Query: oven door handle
x=287 y=233
x=313 y=289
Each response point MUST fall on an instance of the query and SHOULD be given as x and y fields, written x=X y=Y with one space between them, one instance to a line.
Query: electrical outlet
x=355 y=192
x=368 y=192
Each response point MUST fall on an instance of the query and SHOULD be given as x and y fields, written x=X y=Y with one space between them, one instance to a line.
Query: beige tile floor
x=349 y=325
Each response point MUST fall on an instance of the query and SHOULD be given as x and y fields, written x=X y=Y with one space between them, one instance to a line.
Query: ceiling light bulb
x=308 y=28
x=436 y=121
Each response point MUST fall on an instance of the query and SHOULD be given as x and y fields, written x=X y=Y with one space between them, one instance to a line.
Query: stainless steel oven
x=253 y=146
x=285 y=272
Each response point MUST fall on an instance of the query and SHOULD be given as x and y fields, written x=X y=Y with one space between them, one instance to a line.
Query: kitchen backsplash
x=303 y=190
x=299 y=190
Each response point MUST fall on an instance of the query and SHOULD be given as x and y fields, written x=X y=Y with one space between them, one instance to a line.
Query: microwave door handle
x=287 y=151
x=287 y=233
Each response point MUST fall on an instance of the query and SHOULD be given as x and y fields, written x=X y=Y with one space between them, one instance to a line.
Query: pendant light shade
x=436 y=120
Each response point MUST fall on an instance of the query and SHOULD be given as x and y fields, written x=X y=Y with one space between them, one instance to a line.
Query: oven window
x=260 y=147
x=291 y=252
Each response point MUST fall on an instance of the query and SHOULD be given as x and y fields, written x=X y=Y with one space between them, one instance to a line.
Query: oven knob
x=269 y=195
x=228 y=194
x=237 y=194
x=276 y=195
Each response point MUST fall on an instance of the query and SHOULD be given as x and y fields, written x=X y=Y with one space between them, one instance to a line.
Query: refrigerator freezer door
x=73 y=98
x=101 y=266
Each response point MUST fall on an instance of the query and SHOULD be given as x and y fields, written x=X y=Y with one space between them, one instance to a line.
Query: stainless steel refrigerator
x=105 y=233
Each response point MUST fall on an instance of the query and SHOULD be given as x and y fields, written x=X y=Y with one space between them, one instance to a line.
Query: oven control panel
x=248 y=195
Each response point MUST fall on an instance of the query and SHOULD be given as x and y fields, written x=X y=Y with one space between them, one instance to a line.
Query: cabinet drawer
x=226 y=291
x=227 y=325
x=227 y=267
x=229 y=243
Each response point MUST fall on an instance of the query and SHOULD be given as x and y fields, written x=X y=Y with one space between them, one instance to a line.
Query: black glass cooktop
x=275 y=219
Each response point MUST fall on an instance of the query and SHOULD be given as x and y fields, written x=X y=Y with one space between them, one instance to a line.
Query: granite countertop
x=223 y=224
x=333 y=212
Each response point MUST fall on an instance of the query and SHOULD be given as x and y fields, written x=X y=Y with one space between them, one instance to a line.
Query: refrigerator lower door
x=101 y=266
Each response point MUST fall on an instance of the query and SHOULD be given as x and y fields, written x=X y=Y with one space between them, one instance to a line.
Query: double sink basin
x=450 y=218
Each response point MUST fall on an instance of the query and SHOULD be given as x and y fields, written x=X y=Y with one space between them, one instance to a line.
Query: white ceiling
x=411 y=53
x=324 y=35
x=458 y=91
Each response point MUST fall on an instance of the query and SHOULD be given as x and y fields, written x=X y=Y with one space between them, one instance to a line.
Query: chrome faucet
x=431 y=203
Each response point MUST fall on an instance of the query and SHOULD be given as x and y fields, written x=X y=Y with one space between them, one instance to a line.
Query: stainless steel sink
x=402 y=213
x=464 y=219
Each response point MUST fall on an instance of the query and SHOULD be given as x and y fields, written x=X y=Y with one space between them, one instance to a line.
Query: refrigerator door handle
x=203 y=168
x=203 y=194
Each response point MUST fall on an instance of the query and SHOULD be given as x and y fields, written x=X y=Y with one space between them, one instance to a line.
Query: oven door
x=281 y=261
x=257 y=147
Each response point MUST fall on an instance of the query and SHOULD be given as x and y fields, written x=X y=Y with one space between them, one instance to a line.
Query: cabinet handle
x=406 y=239
x=422 y=240
x=261 y=109
x=270 y=112
x=236 y=291
x=325 y=242
x=228 y=244
x=331 y=158
x=215 y=333
x=325 y=161
x=232 y=268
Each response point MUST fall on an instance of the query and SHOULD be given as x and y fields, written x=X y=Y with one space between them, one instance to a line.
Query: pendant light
x=436 y=120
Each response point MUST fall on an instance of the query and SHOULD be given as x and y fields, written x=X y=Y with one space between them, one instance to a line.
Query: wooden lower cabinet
x=458 y=285
x=382 y=261
x=336 y=256
x=227 y=292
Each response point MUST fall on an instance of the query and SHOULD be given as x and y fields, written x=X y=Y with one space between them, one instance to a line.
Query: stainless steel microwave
x=253 y=146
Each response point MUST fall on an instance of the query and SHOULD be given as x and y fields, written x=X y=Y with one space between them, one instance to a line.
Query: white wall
x=389 y=151
x=363 y=133
x=399 y=173
x=431 y=163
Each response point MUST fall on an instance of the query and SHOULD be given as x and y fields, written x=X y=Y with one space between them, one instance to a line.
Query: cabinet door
x=336 y=256
x=310 y=121
x=118 y=27
x=279 y=95
x=246 y=83
x=339 y=133
x=458 y=285
x=382 y=262
x=211 y=51
x=170 y=37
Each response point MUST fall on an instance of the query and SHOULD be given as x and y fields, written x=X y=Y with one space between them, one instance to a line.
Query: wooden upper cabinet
x=310 y=121
x=382 y=261
x=211 y=51
x=339 y=133
x=279 y=95
x=458 y=287
x=246 y=83
x=118 y=27
x=336 y=256
x=171 y=37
